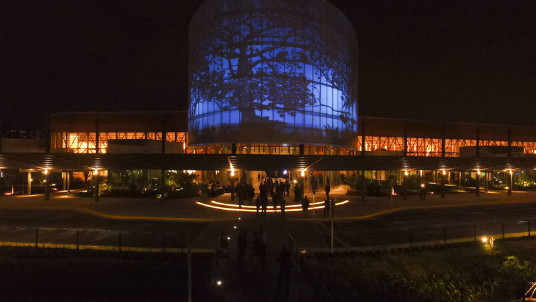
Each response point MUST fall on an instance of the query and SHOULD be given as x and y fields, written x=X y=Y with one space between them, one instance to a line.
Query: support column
x=29 y=183
x=510 y=182
x=486 y=181
x=460 y=179
x=405 y=184
x=405 y=139
x=64 y=180
x=96 y=181
x=97 y=133
x=477 y=186
x=47 y=186
x=363 y=151
x=443 y=147
x=163 y=185
x=362 y=185
x=68 y=182
x=442 y=184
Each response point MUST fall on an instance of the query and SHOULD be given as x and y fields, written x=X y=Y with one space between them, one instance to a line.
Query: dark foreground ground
x=27 y=274
x=470 y=273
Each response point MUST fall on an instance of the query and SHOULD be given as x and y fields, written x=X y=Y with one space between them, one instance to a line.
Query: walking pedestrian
x=332 y=207
x=285 y=269
x=326 y=207
x=223 y=245
x=264 y=204
x=305 y=205
x=258 y=204
x=422 y=192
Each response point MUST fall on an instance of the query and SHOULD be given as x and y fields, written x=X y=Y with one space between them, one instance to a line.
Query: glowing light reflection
x=234 y=207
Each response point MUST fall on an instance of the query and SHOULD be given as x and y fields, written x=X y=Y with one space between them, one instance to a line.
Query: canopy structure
x=251 y=162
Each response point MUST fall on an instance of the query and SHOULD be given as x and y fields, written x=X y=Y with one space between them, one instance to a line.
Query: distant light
x=510 y=171
x=406 y=173
x=234 y=227
x=422 y=185
x=239 y=218
x=444 y=172
x=228 y=238
x=96 y=171
x=302 y=173
x=285 y=172
x=295 y=181
x=45 y=172
x=232 y=172
x=219 y=283
x=484 y=239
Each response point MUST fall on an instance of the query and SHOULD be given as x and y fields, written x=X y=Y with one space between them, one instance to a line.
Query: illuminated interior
x=418 y=146
x=85 y=142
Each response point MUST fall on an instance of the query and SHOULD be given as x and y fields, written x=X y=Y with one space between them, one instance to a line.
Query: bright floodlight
x=484 y=239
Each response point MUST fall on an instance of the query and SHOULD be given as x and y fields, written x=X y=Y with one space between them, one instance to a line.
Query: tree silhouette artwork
x=270 y=62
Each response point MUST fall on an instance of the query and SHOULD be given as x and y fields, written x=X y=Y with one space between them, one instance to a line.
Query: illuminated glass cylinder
x=272 y=71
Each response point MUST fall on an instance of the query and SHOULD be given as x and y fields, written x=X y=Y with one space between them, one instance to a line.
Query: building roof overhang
x=251 y=162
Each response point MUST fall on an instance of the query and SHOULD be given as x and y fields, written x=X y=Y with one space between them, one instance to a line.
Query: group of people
x=258 y=246
x=329 y=208
x=245 y=192
x=277 y=190
x=258 y=250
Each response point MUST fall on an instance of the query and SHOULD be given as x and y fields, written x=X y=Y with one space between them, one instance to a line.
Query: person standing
x=328 y=189
x=305 y=205
x=240 y=191
x=258 y=204
x=422 y=192
x=332 y=207
x=285 y=269
x=264 y=203
x=251 y=193
x=327 y=205
x=275 y=196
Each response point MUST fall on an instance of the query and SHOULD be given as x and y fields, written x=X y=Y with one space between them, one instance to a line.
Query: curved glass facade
x=272 y=71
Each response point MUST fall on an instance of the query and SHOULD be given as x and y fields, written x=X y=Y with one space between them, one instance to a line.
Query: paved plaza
x=188 y=209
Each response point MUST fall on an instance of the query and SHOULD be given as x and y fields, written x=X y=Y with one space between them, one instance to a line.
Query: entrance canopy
x=212 y=162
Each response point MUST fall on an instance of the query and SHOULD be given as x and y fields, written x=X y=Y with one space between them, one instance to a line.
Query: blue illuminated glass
x=272 y=71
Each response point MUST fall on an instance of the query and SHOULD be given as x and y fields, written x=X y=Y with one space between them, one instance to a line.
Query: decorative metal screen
x=272 y=71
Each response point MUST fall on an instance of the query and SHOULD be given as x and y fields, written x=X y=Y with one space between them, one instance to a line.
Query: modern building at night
x=273 y=86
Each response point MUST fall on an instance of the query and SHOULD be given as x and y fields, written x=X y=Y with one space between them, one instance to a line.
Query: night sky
x=426 y=59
